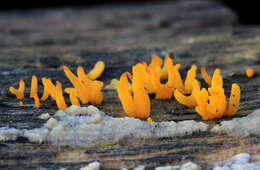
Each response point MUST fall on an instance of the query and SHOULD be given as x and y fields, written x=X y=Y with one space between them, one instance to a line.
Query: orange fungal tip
x=249 y=72
x=96 y=71
x=20 y=91
x=191 y=75
x=129 y=76
x=212 y=103
x=137 y=104
x=21 y=103
x=49 y=89
x=149 y=120
x=73 y=97
x=34 y=85
x=36 y=101
x=59 y=97
x=86 y=89
x=217 y=79
x=205 y=76
x=234 y=99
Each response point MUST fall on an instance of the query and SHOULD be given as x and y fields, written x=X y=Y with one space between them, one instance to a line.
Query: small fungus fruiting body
x=249 y=72
x=206 y=76
x=136 y=104
x=191 y=75
x=59 y=97
x=86 y=89
x=34 y=85
x=20 y=91
x=149 y=120
x=212 y=103
x=162 y=91
x=36 y=101
x=49 y=89
x=188 y=101
x=21 y=103
x=96 y=71
x=234 y=99
x=73 y=97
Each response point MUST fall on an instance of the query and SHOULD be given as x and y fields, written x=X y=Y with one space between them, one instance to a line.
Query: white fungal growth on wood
x=244 y=126
x=88 y=126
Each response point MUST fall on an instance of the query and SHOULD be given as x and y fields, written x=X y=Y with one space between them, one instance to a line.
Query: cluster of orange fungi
x=147 y=79
x=86 y=89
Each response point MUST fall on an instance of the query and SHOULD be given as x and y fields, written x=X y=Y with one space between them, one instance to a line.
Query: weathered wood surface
x=197 y=32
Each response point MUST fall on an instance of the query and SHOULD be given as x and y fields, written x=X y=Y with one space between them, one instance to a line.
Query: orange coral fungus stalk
x=157 y=61
x=36 y=101
x=86 y=89
x=59 y=97
x=73 y=97
x=188 y=101
x=190 y=84
x=34 y=85
x=189 y=78
x=163 y=91
x=20 y=91
x=249 y=72
x=49 y=89
x=96 y=71
x=212 y=103
x=138 y=104
x=206 y=76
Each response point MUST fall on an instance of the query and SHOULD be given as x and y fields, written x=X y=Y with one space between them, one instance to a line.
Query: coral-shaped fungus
x=36 y=101
x=34 y=85
x=86 y=89
x=96 y=71
x=152 y=75
x=49 y=89
x=20 y=91
x=212 y=103
x=59 y=97
x=189 y=85
x=137 y=103
x=55 y=92
x=249 y=72
x=188 y=101
x=205 y=76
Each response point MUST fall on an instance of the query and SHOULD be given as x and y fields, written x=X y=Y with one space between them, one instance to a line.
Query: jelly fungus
x=212 y=103
x=163 y=91
x=59 y=97
x=96 y=71
x=188 y=101
x=34 y=85
x=205 y=76
x=86 y=89
x=249 y=72
x=149 y=120
x=73 y=97
x=36 y=101
x=191 y=75
x=137 y=104
x=157 y=61
x=49 y=89
x=20 y=91
x=21 y=103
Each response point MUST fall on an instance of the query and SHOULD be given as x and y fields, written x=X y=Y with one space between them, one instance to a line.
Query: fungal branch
x=19 y=93
x=212 y=103
x=161 y=78
x=136 y=104
x=189 y=86
x=86 y=89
